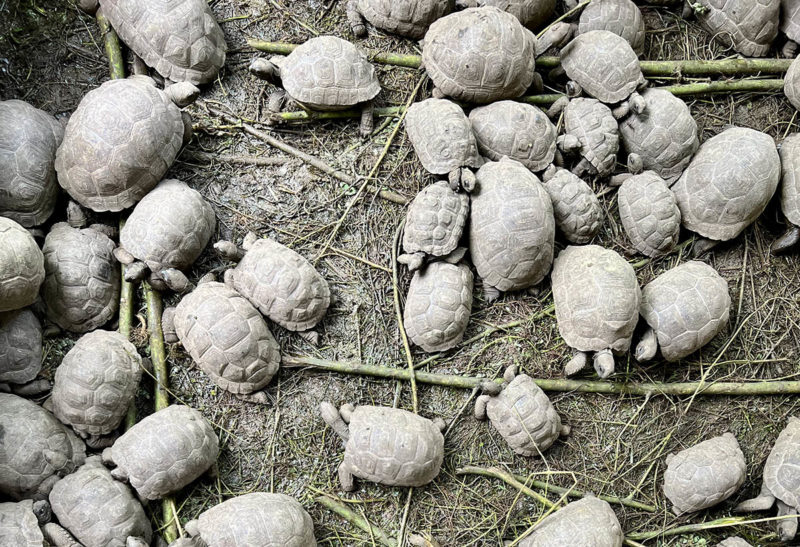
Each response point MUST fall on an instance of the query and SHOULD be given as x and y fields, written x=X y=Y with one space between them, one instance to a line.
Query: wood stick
x=507 y=478
x=356 y=520
x=266 y=161
x=116 y=65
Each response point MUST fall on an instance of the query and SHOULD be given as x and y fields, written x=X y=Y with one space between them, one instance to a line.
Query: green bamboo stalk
x=356 y=520
x=725 y=522
x=507 y=478
x=111 y=43
x=126 y=298
x=732 y=86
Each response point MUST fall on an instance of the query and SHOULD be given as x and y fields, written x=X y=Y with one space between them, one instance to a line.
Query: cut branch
x=116 y=65
x=356 y=520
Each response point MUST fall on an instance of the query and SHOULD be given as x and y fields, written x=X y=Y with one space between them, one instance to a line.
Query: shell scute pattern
x=442 y=136
x=597 y=131
x=435 y=220
x=531 y=13
x=749 y=26
x=588 y=522
x=790 y=178
x=733 y=542
x=791 y=83
x=21 y=266
x=790 y=19
x=622 y=17
x=410 y=18
x=649 y=214
x=19 y=526
x=20 y=346
x=577 y=210
x=782 y=469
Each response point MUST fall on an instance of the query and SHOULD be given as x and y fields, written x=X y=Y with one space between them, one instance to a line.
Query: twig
x=126 y=297
x=355 y=519
x=566 y=15
x=507 y=478
x=227 y=158
x=399 y=315
x=116 y=66
x=726 y=522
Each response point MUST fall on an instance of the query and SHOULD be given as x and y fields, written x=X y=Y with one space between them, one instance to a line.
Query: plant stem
x=126 y=298
x=507 y=478
x=116 y=65
x=732 y=86
x=725 y=522
x=356 y=520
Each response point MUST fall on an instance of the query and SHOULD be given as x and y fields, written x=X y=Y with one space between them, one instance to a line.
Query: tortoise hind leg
x=576 y=364
x=355 y=19
x=787 y=527
x=277 y=100
x=788 y=240
x=367 y=119
x=58 y=536
x=789 y=49
x=346 y=478
x=762 y=502
x=259 y=397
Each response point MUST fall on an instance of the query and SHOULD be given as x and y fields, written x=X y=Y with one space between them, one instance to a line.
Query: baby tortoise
x=21 y=266
x=790 y=193
x=577 y=210
x=591 y=132
x=21 y=353
x=749 y=26
x=587 y=522
x=622 y=17
x=531 y=13
x=649 y=214
x=790 y=26
x=409 y=18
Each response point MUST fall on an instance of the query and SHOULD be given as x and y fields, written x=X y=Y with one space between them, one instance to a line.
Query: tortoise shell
x=531 y=13
x=790 y=178
x=790 y=19
x=649 y=214
x=435 y=220
x=118 y=144
x=438 y=306
x=791 y=83
x=733 y=542
x=517 y=130
x=328 y=72
x=749 y=26
x=597 y=298
x=20 y=346
x=597 y=131
x=96 y=383
x=577 y=210
x=781 y=475
x=19 y=526
x=227 y=338
x=29 y=139
x=588 y=522
x=705 y=474
x=409 y=18
x=179 y=38
x=21 y=266
x=622 y=17
x=728 y=183
x=81 y=289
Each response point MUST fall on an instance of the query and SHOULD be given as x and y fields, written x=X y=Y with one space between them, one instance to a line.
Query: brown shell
x=21 y=266
x=578 y=213
x=442 y=136
x=781 y=468
x=531 y=13
x=791 y=83
x=622 y=17
x=597 y=131
x=588 y=522
x=749 y=26
x=790 y=178
x=409 y=18
x=435 y=220
x=649 y=214
x=19 y=526
x=20 y=346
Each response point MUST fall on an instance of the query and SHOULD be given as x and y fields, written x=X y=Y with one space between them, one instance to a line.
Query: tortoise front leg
x=356 y=19
x=259 y=397
x=788 y=240
x=58 y=536
x=577 y=363
x=480 y=407
x=762 y=502
x=367 y=119
x=346 y=478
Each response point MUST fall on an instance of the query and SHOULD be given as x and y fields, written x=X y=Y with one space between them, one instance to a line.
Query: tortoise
x=29 y=138
x=649 y=214
x=21 y=353
x=685 y=307
x=483 y=55
x=164 y=452
x=587 y=522
x=21 y=266
x=531 y=13
x=438 y=306
x=596 y=296
x=577 y=210
x=409 y=18
x=704 y=475
x=389 y=446
x=95 y=385
x=20 y=523
x=166 y=232
x=517 y=130
x=733 y=541
x=622 y=17
x=662 y=139
x=324 y=73
x=283 y=285
x=790 y=26
x=35 y=449
x=790 y=193
x=227 y=338
x=98 y=510
x=442 y=137
x=120 y=141
x=434 y=224
x=259 y=518
x=727 y=185
x=521 y=412
x=591 y=132
x=82 y=282
x=791 y=84
x=512 y=228
x=748 y=26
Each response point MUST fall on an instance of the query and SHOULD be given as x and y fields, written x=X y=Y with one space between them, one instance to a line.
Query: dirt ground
x=51 y=54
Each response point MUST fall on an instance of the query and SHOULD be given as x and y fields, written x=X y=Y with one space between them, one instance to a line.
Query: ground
x=51 y=54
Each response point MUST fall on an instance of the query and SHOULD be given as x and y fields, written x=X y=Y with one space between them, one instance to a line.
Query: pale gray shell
x=517 y=130
x=19 y=526
x=438 y=306
x=96 y=383
x=603 y=64
x=409 y=18
x=649 y=214
x=20 y=346
x=749 y=26
x=705 y=474
x=21 y=266
x=442 y=136
x=227 y=338
x=597 y=298
x=781 y=474
x=790 y=178
x=118 y=144
x=512 y=228
x=531 y=13
x=267 y=520
x=588 y=522
x=328 y=72
x=597 y=131
x=790 y=19
x=577 y=210
x=733 y=542
x=791 y=83
x=621 y=17
x=664 y=135
x=393 y=447
x=480 y=55
x=728 y=183
x=165 y=451
x=81 y=289
x=283 y=285
x=29 y=139
x=435 y=220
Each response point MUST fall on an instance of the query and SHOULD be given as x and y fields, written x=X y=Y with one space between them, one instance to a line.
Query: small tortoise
x=512 y=228
x=790 y=26
x=685 y=308
x=260 y=518
x=597 y=297
x=29 y=139
x=20 y=523
x=166 y=232
x=728 y=184
x=517 y=130
x=531 y=13
x=164 y=452
x=21 y=266
x=591 y=132
x=790 y=193
x=662 y=139
x=386 y=445
x=577 y=210
x=81 y=288
x=227 y=338
x=443 y=139
x=21 y=353
x=409 y=18
x=120 y=141
x=325 y=73
x=521 y=412
x=733 y=541
x=705 y=474
x=434 y=224
x=438 y=306
x=749 y=26
x=35 y=449
x=98 y=510
x=283 y=285
x=791 y=83
x=95 y=385
x=622 y=17
x=649 y=214
x=588 y=522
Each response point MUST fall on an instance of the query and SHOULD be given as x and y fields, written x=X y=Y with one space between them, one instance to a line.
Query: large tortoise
x=621 y=17
x=20 y=523
x=577 y=210
x=21 y=353
x=649 y=214
x=588 y=522
x=409 y=18
x=749 y=26
x=531 y=13
x=597 y=298
x=29 y=139
x=590 y=131
x=21 y=266
x=790 y=193
x=386 y=445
